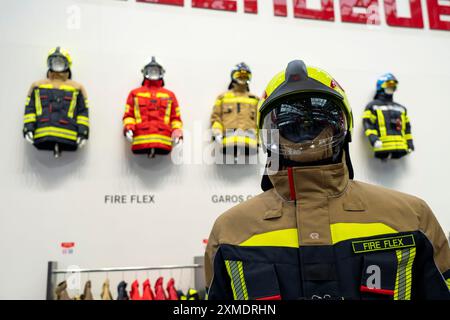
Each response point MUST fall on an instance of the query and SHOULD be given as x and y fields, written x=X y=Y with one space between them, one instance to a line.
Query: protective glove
x=177 y=136
x=129 y=135
x=378 y=144
x=29 y=136
x=81 y=142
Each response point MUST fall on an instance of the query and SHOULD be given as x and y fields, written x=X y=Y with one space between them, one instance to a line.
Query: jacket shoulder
x=393 y=205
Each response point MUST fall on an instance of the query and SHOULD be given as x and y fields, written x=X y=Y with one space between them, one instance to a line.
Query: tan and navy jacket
x=234 y=115
x=57 y=111
x=388 y=121
x=318 y=235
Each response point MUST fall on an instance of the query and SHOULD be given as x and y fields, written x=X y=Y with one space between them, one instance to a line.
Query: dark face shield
x=305 y=127
x=153 y=73
x=58 y=63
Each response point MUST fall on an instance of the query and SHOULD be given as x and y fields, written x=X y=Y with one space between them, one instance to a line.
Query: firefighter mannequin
x=152 y=120
x=233 y=121
x=386 y=122
x=315 y=233
x=56 y=113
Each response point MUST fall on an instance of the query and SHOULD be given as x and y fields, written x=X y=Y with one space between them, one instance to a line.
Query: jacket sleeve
x=30 y=117
x=83 y=114
x=408 y=135
x=441 y=250
x=129 y=120
x=175 y=115
x=370 y=125
x=216 y=117
x=218 y=283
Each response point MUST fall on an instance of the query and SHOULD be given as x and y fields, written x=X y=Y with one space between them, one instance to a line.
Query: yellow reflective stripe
x=151 y=140
x=83 y=120
x=403 y=123
x=73 y=104
x=56 y=132
x=27 y=102
x=217 y=126
x=162 y=95
x=403 y=279
x=177 y=111
x=129 y=121
x=127 y=108
x=393 y=138
x=345 y=231
x=218 y=102
x=408 y=136
x=46 y=86
x=368 y=132
x=66 y=131
x=234 y=140
x=241 y=100
x=86 y=104
x=235 y=271
x=68 y=88
x=137 y=111
x=37 y=101
x=177 y=124
x=279 y=238
x=448 y=283
x=168 y=112
x=30 y=117
x=144 y=94
x=369 y=115
x=381 y=123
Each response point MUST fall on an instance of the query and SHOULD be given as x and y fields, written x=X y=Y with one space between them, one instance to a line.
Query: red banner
x=360 y=11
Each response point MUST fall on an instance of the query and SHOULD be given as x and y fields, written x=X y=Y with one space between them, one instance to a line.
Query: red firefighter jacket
x=152 y=113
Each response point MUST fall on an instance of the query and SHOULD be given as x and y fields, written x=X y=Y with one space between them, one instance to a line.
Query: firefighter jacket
x=387 y=121
x=57 y=112
x=152 y=113
x=317 y=235
x=234 y=115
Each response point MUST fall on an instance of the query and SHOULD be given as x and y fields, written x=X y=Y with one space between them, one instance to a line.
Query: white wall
x=45 y=201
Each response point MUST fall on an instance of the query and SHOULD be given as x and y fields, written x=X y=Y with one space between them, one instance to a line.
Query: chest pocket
x=253 y=281
x=387 y=267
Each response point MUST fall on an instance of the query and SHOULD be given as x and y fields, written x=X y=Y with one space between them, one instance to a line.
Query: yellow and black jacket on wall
x=387 y=121
x=57 y=112
x=234 y=115
x=319 y=235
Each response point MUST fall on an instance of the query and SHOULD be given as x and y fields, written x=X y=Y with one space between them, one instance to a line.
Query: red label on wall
x=392 y=19
x=226 y=5
x=326 y=13
x=351 y=11
x=169 y=2
x=67 y=245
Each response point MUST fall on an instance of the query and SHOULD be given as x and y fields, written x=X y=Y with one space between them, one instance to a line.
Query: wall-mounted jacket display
x=386 y=123
x=233 y=121
x=315 y=233
x=152 y=119
x=57 y=109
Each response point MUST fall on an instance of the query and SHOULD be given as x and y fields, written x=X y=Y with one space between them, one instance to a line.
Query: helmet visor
x=242 y=76
x=304 y=123
x=153 y=73
x=58 y=63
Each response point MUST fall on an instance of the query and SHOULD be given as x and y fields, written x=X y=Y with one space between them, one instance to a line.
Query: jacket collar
x=153 y=84
x=316 y=181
